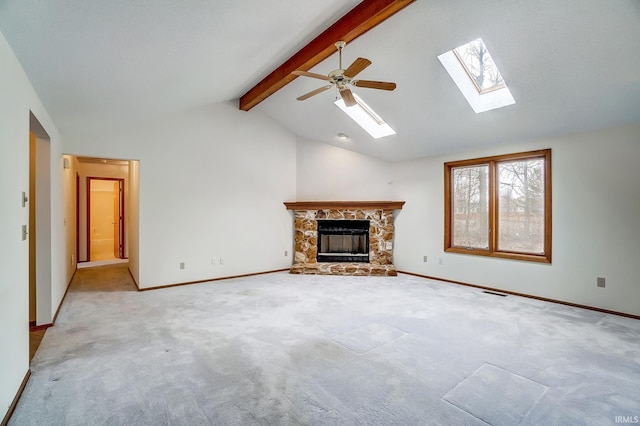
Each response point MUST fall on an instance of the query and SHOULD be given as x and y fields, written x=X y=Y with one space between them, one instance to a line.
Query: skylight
x=362 y=114
x=475 y=73
x=478 y=63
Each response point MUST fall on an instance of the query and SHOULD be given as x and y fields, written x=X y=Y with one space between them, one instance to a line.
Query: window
x=500 y=206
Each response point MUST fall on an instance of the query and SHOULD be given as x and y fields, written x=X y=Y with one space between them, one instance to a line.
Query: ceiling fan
x=343 y=78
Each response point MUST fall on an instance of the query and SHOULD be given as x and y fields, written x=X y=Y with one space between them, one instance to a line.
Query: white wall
x=596 y=228
x=212 y=184
x=17 y=99
x=326 y=172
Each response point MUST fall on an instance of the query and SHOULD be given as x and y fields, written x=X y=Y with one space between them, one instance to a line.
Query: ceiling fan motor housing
x=337 y=77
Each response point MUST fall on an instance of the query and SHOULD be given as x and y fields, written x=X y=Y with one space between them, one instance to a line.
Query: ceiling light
x=366 y=117
x=342 y=136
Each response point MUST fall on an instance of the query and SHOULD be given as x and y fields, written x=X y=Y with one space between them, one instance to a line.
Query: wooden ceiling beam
x=356 y=22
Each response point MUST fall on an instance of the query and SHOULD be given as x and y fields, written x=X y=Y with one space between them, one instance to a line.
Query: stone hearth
x=381 y=228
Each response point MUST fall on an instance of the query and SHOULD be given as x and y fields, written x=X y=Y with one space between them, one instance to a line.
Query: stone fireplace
x=344 y=237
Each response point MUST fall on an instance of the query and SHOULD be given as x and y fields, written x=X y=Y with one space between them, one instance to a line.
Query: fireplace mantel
x=338 y=205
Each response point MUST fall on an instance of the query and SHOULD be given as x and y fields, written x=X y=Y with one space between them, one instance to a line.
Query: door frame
x=43 y=228
x=77 y=258
x=120 y=219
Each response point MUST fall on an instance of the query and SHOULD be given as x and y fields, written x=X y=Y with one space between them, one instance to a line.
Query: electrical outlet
x=600 y=282
x=73 y=259
x=424 y=259
x=221 y=261
x=214 y=260
x=181 y=265
x=286 y=253
x=440 y=261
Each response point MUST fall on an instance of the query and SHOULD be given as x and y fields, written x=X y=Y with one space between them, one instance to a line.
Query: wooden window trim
x=492 y=251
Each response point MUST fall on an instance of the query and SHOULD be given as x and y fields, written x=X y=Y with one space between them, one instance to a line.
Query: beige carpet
x=283 y=349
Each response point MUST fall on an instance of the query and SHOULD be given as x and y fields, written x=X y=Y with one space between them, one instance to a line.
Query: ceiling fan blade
x=347 y=96
x=357 y=66
x=314 y=92
x=369 y=84
x=310 y=74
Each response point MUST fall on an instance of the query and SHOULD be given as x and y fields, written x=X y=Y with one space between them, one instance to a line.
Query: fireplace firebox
x=343 y=241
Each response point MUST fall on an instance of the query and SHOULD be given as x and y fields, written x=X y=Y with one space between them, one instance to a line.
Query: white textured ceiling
x=571 y=65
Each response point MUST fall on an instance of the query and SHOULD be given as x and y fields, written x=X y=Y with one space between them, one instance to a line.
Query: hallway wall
x=132 y=207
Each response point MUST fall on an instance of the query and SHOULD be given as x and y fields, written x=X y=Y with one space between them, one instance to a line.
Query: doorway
x=105 y=219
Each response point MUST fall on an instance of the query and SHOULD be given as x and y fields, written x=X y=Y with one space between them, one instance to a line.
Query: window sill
x=540 y=258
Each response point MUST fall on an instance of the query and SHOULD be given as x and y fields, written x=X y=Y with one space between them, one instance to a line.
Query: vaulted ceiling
x=571 y=65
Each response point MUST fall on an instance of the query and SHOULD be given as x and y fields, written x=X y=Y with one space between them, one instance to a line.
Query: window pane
x=470 y=206
x=521 y=206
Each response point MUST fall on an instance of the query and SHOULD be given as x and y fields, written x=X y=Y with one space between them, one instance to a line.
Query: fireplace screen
x=343 y=241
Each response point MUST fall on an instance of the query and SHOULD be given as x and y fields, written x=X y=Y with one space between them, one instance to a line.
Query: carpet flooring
x=35 y=337
x=282 y=349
